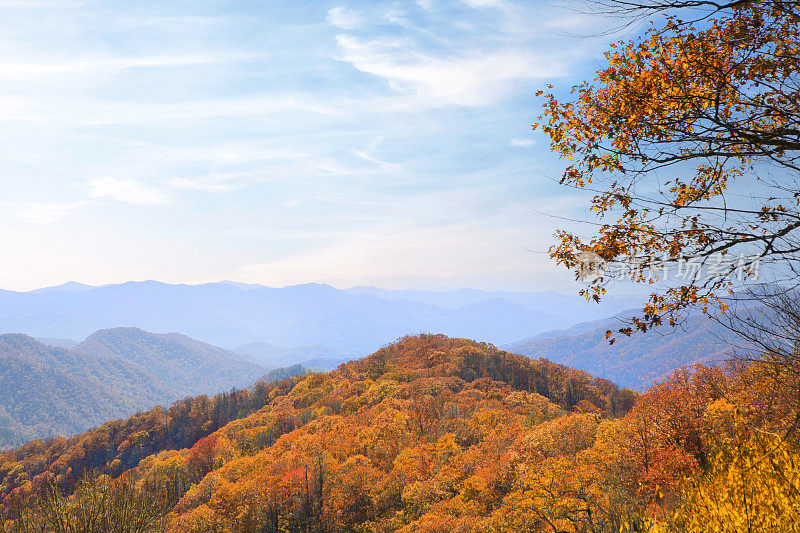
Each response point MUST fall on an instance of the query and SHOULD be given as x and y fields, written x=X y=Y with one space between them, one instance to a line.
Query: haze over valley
x=170 y=347
x=316 y=319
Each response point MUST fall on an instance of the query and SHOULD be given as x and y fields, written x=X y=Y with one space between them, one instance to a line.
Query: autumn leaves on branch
x=689 y=142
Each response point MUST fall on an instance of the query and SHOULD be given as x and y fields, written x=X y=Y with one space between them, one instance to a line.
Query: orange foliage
x=447 y=434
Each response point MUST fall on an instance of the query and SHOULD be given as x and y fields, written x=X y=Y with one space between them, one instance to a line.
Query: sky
x=351 y=143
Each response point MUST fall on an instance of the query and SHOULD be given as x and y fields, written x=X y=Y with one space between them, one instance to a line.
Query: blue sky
x=283 y=142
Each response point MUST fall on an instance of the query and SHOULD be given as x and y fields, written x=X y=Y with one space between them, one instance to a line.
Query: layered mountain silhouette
x=58 y=385
x=637 y=361
x=338 y=323
x=49 y=390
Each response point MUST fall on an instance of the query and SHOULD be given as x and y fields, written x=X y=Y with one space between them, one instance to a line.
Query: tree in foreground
x=98 y=504
x=689 y=142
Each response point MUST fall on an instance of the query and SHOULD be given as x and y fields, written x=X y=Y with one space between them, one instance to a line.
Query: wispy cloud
x=37 y=4
x=521 y=143
x=201 y=184
x=128 y=191
x=343 y=18
x=299 y=144
x=392 y=252
x=484 y=3
x=470 y=60
x=43 y=212
x=18 y=108
x=475 y=78
x=125 y=112
x=573 y=21
x=368 y=154
x=21 y=70
x=215 y=183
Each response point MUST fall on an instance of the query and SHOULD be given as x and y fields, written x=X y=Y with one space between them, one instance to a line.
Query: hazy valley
x=48 y=390
x=115 y=372
x=318 y=319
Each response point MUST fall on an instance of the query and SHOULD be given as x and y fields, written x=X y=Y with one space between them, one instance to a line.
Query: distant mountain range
x=636 y=361
x=339 y=324
x=50 y=390
x=58 y=385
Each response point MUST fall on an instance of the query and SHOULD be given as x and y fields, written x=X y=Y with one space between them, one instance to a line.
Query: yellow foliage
x=753 y=485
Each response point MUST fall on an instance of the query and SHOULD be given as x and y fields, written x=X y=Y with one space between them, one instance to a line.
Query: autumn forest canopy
x=687 y=143
x=428 y=434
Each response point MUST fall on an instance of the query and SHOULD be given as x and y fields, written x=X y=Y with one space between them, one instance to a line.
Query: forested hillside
x=47 y=390
x=185 y=365
x=436 y=434
x=373 y=426
x=430 y=434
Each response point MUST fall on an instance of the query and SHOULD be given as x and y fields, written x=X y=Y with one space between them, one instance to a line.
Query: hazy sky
x=283 y=142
